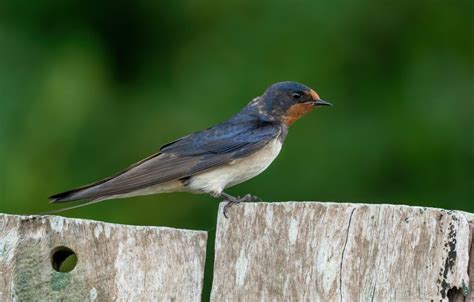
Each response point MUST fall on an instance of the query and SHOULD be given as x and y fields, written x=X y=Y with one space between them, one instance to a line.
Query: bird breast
x=237 y=171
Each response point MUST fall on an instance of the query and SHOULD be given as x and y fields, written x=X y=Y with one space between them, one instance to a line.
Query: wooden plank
x=465 y=294
x=312 y=251
x=114 y=262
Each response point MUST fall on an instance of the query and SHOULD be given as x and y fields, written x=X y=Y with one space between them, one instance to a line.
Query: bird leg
x=231 y=200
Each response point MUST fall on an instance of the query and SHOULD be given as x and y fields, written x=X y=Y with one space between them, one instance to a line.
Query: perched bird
x=211 y=160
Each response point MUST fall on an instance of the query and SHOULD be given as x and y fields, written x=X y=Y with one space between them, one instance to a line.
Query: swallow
x=214 y=159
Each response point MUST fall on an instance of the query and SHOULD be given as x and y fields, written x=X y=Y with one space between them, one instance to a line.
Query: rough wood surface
x=311 y=251
x=470 y=296
x=115 y=262
x=461 y=295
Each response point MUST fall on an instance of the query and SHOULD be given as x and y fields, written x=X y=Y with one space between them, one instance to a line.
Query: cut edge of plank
x=57 y=221
x=342 y=203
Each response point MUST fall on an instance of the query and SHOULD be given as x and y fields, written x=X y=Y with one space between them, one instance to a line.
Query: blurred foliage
x=87 y=88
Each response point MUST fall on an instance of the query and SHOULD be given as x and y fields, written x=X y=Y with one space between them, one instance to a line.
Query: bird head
x=286 y=102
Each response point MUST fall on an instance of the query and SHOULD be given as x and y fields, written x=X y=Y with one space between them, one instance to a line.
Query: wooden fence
x=286 y=251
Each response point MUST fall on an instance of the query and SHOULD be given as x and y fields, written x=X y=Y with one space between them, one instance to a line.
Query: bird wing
x=182 y=158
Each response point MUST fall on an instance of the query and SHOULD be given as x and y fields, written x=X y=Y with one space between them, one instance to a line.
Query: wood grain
x=115 y=262
x=312 y=251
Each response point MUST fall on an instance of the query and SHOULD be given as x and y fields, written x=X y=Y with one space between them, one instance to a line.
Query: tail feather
x=92 y=191
x=71 y=207
x=85 y=193
x=65 y=197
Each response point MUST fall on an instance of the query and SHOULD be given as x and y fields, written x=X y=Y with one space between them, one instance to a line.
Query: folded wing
x=182 y=158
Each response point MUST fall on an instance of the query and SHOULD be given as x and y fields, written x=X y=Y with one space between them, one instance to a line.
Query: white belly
x=239 y=170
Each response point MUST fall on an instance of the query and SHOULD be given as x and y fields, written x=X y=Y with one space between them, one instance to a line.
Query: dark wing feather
x=182 y=158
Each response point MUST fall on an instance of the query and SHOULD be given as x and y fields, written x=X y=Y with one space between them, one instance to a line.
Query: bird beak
x=321 y=103
x=316 y=100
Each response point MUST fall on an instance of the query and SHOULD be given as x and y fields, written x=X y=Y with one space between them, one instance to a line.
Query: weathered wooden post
x=290 y=251
x=311 y=251
x=114 y=262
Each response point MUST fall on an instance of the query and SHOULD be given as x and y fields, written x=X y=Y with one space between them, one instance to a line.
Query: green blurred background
x=87 y=88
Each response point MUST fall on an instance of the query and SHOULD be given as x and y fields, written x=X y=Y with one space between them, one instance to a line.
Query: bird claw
x=236 y=200
x=251 y=198
x=227 y=206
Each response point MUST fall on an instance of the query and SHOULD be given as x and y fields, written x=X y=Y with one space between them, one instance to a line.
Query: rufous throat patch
x=295 y=112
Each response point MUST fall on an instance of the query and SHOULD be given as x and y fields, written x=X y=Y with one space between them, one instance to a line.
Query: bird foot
x=231 y=200
x=250 y=198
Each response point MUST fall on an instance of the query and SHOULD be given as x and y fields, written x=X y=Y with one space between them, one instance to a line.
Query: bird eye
x=297 y=95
